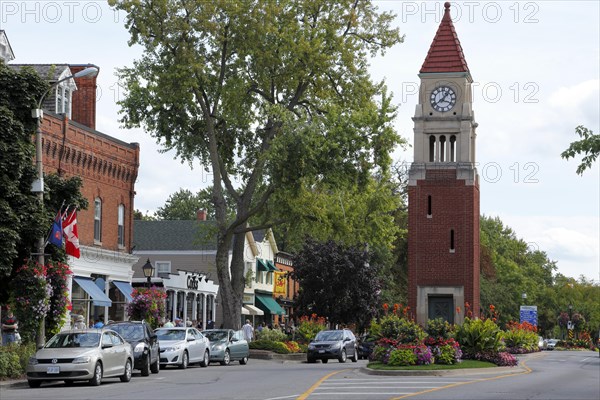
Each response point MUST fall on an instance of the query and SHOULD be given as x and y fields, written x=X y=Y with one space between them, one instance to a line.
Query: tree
x=588 y=145
x=268 y=95
x=337 y=282
x=183 y=205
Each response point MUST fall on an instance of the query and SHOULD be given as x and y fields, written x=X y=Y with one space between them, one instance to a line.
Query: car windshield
x=170 y=334
x=215 y=336
x=130 y=332
x=79 y=339
x=326 y=336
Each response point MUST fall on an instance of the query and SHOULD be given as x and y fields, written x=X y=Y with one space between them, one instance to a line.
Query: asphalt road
x=546 y=375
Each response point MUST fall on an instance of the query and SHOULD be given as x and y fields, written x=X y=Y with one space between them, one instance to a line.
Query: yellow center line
x=527 y=371
x=304 y=395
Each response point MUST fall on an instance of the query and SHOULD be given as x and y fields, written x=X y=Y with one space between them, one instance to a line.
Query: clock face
x=443 y=99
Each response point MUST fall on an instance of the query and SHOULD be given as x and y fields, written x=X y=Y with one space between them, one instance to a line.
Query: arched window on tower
x=431 y=148
x=452 y=148
x=442 y=148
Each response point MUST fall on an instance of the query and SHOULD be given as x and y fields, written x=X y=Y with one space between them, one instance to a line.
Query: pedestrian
x=99 y=322
x=248 y=331
x=178 y=322
x=79 y=324
x=10 y=327
x=210 y=324
x=260 y=327
x=168 y=324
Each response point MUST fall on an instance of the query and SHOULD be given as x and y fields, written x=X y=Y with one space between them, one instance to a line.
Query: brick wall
x=108 y=168
x=454 y=206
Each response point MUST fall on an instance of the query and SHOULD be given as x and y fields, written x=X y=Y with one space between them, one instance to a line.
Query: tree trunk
x=231 y=279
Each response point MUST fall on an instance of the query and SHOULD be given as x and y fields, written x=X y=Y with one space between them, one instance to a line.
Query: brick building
x=71 y=146
x=443 y=196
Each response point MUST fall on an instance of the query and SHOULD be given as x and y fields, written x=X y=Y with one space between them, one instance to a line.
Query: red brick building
x=443 y=197
x=71 y=146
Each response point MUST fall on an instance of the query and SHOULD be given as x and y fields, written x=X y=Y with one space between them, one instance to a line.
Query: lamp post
x=38 y=184
x=148 y=271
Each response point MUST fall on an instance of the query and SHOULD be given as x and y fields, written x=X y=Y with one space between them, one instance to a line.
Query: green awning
x=271 y=266
x=268 y=304
x=261 y=265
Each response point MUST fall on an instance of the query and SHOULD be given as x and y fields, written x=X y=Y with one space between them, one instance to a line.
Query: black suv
x=144 y=344
x=340 y=344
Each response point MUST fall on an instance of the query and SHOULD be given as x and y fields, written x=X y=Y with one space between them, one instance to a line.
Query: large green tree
x=269 y=95
x=589 y=146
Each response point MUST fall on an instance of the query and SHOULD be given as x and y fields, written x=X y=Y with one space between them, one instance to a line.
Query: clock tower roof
x=445 y=53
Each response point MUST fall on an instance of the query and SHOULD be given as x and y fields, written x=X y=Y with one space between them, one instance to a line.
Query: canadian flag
x=71 y=236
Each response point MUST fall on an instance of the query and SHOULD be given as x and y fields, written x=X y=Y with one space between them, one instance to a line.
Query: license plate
x=321 y=351
x=53 y=370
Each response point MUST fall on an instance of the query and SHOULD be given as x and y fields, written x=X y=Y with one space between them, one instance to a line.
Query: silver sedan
x=183 y=346
x=82 y=354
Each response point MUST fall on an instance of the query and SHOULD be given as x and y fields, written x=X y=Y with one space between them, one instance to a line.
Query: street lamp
x=148 y=271
x=570 y=310
x=38 y=184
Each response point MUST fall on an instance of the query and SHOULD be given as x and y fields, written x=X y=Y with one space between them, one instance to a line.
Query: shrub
x=447 y=352
x=148 y=304
x=274 y=335
x=479 y=336
x=14 y=359
x=292 y=346
x=402 y=356
x=309 y=327
x=277 y=347
x=438 y=328
x=521 y=338
x=401 y=329
x=423 y=354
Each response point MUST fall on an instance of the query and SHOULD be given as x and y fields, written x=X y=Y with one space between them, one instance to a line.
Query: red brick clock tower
x=443 y=194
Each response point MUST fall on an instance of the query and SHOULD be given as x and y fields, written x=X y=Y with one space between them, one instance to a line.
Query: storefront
x=191 y=296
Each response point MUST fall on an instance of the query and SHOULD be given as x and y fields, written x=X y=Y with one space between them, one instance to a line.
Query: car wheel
x=154 y=368
x=325 y=360
x=97 y=379
x=226 y=358
x=342 y=357
x=244 y=361
x=355 y=358
x=34 y=384
x=185 y=360
x=205 y=360
x=126 y=377
x=146 y=366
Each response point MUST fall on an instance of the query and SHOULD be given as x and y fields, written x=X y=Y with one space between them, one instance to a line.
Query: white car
x=81 y=355
x=551 y=343
x=183 y=346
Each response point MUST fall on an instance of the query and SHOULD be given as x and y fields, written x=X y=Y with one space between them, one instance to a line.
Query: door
x=441 y=307
x=193 y=346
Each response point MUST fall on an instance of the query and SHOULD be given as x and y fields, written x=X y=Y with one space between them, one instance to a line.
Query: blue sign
x=529 y=314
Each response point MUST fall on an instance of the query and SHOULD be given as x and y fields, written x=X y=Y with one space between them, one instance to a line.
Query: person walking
x=79 y=324
x=9 y=328
x=248 y=331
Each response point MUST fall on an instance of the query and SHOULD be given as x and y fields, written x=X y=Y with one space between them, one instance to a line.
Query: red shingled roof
x=445 y=53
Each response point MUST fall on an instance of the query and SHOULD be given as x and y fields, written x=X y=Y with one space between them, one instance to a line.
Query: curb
x=269 y=355
x=445 y=372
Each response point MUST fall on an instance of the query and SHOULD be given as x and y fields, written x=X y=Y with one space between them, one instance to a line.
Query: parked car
x=340 y=344
x=227 y=345
x=365 y=346
x=551 y=343
x=183 y=346
x=82 y=354
x=542 y=344
x=144 y=344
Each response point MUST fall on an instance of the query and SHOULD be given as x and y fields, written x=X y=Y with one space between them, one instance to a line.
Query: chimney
x=83 y=109
x=201 y=214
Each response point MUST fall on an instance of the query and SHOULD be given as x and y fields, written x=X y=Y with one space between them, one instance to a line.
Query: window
x=163 y=267
x=442 y=148
x=452 y=149
x=269 y=278
x=431 y=148
x=452 y=249
x=121 y=226
x=63 y=100
x=97 y=220
x=429 y=205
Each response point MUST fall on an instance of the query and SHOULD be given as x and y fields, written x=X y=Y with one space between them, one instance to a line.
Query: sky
x=535 y=66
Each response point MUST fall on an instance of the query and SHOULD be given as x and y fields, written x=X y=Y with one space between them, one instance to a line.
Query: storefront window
x=118 y=310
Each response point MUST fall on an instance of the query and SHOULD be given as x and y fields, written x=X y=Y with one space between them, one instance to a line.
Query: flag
x=69 y=226
x=56 y=234
x=280 y=283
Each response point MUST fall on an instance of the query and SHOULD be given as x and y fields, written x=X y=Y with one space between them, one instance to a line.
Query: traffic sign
x=529 y=314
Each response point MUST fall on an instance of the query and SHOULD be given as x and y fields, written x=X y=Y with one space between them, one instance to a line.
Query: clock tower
x=443 y=193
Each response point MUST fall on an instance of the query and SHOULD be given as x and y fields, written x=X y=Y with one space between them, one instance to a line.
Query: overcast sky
x=535 y=65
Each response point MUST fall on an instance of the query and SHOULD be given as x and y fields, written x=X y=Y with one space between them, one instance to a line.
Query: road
x=546 y=375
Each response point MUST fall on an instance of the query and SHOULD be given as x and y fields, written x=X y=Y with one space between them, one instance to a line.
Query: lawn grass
x=432 y=367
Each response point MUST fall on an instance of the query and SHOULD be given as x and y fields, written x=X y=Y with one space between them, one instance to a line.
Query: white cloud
x=573 y=97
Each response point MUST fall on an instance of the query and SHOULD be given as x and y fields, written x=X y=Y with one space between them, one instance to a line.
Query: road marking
x=304 y=395
x=527 y=371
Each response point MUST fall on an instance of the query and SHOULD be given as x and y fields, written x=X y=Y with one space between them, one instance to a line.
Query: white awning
x=245 y=312
x=253 y=310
